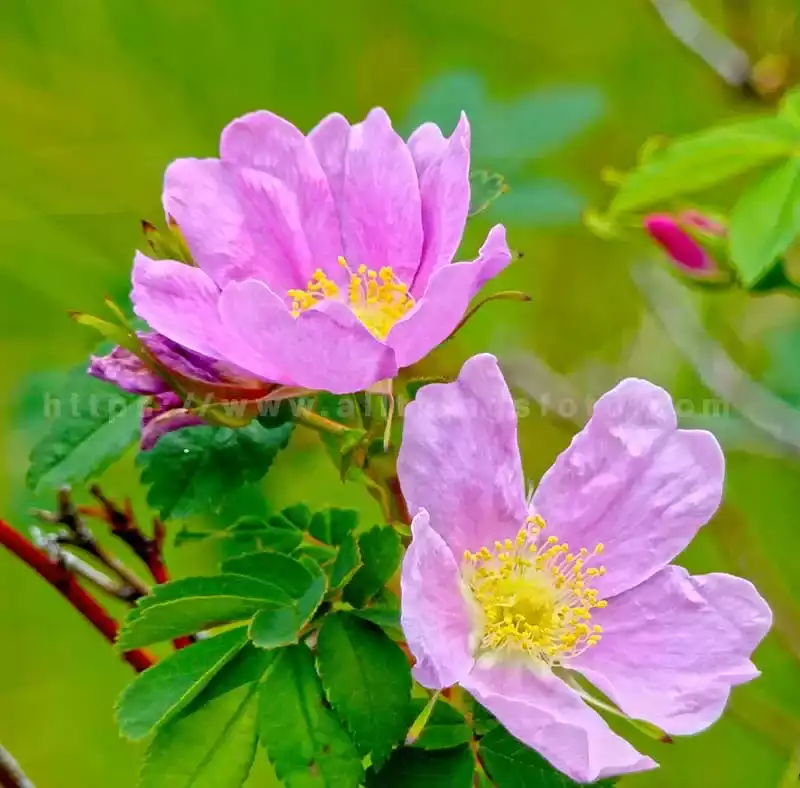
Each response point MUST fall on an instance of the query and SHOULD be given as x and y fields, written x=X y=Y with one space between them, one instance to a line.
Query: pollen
x=377 y=298
x=534 y=596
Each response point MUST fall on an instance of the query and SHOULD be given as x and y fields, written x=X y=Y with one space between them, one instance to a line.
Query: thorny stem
x=11 y=775
x=58 y=576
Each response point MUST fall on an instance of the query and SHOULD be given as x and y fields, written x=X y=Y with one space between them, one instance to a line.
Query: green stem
x=319 y=423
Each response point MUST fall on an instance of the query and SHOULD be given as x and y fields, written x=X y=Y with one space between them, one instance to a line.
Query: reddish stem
x=66 y=585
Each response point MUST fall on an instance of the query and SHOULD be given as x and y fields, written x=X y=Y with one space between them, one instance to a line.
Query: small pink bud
x=682 y=237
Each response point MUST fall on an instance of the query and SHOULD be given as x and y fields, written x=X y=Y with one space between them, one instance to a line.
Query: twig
x=11 y=775
x=79 y=535
x=674 y=310
x=51 y=545
x=729 y=61
x=58 y=576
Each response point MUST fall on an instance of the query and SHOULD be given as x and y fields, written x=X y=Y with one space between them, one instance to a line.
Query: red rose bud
x=694 y=243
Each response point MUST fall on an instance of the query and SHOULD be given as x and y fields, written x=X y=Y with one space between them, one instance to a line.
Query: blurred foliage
x=96 y=100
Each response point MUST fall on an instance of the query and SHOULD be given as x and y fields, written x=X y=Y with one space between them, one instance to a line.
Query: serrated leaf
x=211 y=744
x=188 y=605
x=283 y=570
x=331 y=526
x=765 y=221
x=445 y=728
x=278 y=534
x=347 y=562
x=156 y=695
x=512 y=764
x=367 y=680
x=484 y=187
x=194 y=469
x=381 y=553
x=93 y=425
x=698 y=161
x=388 y=619
x=306 y=744
x=407 y=767
x=281 y=627
x=298 y=514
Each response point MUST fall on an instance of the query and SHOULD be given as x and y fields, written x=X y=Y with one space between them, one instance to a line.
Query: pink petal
x=427 y=144
x=329 y=139
x=165 y=414
x=285 y=260
x=381 y=222
x=673 y=647
x=324 y=348
x=633 y=482
x=127 y=371
x=199 y=195
x=684 y=250
x=435 y=617
x=446 y=299
x=460 y=461
x=180 y=302
x=444 y=191
x=548 y=716
x=267 y=142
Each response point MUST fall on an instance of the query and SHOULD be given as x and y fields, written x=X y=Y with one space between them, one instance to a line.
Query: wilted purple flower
x=325 y=261
x=682 y=237
x=202 y=379
x=507 y=597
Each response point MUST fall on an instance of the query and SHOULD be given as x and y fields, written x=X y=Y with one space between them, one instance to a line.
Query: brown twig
x=150 y=550
x=59 y=576
x=11 y=775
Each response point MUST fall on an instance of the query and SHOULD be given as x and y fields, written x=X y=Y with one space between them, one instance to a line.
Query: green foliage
x=332 y=526
x=381 y=553
x=306 y=744
x=158 y=694
x=194 y=469
x=445 y=728
x=367 y=681
x=212 y=744
x=452 y=768
x=347 y=562
x=511 y=764
x=765 y=221
x=93 y=425
x=698 y=161
x=195 y=603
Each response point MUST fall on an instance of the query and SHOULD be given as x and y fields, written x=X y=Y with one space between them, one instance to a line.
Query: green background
x=97 y=96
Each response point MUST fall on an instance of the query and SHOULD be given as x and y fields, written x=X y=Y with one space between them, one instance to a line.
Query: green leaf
x=367 y=680
x=93 y=425
x=299 y=515
x=347 y=562
x=188 y=605
x=511 y=764
x=765 y=221
x=453 y=768
x=698 y=161
x=790 y=106
x=445 y=728
x=305 y=743
x=381 y=553
x=283 y=570
x=212 y=743
x=332 y=526
x=159 y=693
x=193 y=470
x=485 y=187
x=275 y=628
x=387 y=618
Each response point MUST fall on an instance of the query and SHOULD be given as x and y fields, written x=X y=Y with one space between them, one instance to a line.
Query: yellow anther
x=599 y=548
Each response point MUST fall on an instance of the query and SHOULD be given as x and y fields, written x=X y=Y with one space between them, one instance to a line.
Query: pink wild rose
x=507 y=597
x=324 y=260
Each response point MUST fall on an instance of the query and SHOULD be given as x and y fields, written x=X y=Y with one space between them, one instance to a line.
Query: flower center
x=533 y=596
x=378 y=299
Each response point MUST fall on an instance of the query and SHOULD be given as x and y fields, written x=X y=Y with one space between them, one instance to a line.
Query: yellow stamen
x=533 y=597
x=378 y=299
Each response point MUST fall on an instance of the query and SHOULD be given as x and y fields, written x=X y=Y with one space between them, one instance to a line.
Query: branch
x=58 y=576
x=11 y=775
